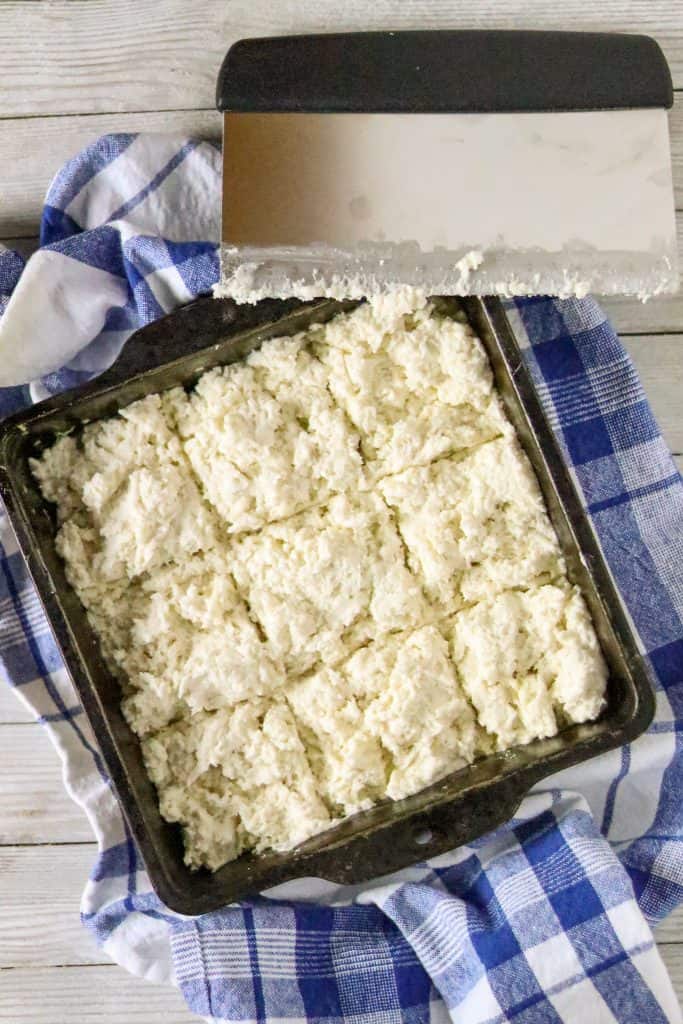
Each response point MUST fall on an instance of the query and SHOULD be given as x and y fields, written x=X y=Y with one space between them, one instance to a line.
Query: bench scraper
x=458 y=162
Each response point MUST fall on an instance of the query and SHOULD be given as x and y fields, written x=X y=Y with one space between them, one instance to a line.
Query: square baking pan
x=176 y=350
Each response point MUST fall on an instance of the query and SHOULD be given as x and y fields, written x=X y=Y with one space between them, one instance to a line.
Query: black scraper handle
x=444 y=72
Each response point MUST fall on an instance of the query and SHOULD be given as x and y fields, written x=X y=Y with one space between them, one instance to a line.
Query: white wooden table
x=69 y=71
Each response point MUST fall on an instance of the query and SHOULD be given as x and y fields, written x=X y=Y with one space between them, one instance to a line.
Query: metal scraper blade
x=351 y=204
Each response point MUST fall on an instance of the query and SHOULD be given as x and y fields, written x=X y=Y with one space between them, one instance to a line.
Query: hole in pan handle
x=423 y=836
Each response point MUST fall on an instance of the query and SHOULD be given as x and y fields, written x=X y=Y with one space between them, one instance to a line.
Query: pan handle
x=422 y=835
x=207 y=322
x=171 y=337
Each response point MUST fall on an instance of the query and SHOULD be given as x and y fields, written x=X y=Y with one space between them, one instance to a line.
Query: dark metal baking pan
x=176 y=350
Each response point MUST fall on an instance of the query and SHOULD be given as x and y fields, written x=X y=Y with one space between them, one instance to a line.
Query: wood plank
x=89 y=995
x=33 y=149
x=676 y=137
x=671 y=928
x=24 y=245
x=663 y=314
x=103 y=57
x=659 y=361
x=73 y=56
x=672 y=955
x=11 y=708
x=45 y=882
x=49 y=995
x=34 y=806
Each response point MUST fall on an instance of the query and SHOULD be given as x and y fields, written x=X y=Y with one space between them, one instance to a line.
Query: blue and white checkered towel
x=544 y=921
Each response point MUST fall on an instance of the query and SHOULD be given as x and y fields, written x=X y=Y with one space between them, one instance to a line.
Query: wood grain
x=23 y=245
x=87 y=995
x=676 y=139
x=34 y=806
x=663 y=315
x=658 y=359
x=69 y=56
x=672 y=955
x=11 y=708
x=671 y=928
x=57 y=876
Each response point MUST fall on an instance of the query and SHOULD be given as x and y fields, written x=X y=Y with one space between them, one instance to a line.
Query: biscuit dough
x=323 y=578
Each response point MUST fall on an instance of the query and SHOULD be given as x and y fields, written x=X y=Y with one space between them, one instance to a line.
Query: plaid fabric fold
x=545 y=920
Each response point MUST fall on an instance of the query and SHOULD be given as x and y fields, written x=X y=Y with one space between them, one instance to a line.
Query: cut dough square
x=266 y=439
x=194 y=647
x=128 y=479
x=236 y=778
x=475 y=526
x=529 y=662
x=322 y=583
x=416 y=387
x=391 y=719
